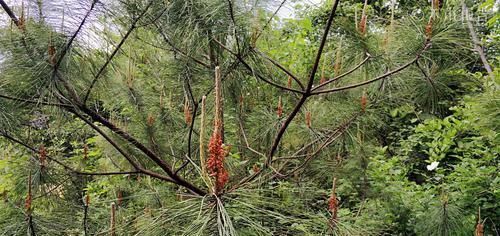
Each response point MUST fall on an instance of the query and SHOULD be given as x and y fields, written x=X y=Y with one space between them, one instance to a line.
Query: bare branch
x=149 y=153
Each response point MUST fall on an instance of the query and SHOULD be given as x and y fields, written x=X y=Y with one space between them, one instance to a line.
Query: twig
x=426 y=46
x=115 y=51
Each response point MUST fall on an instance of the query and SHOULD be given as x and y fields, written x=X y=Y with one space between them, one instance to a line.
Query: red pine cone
x=215 y=162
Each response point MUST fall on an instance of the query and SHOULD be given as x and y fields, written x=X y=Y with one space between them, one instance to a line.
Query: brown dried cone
x=85 y=151
x=112 y=223
x=428 y=28
x=150 y=120
x=364 y=101
x=333 y=204
x=362 y=22
x=187 y=111
x=437 y=4
x=42 y=156
x=289 y=83
x=255 y=168
x=308 y=119
x=87 y=200
x=52 y=55
x=279 y=110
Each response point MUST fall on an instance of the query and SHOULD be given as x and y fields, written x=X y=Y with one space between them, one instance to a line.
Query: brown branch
x=191 y=127
x=277 y=64
x=321 y=47
x=477 y=43
x=427 y=45
x=176 y=49
x=150 y=154
x=9 y=12
x=233 y=20
x=298 y=106
x=73 y=37
x=343 y=75
x=115 y=51
x=270 y=19
x=253 y=72
x=33 y=101
x=65 y=166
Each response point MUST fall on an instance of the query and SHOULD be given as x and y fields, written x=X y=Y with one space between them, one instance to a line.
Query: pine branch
x=387 y=74
x=65 y=166
x=253 y=72
x=132 y=27
x=281 y=67
x=343 y=75
x=268 y=22
x=233 y=21
x=149 y=153
x=176 y=49
x=300 y=103
x=9 y=12
x=73 y=37
x=34 y=102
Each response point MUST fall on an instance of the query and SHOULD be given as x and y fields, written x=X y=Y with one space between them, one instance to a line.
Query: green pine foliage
x=101 y=128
